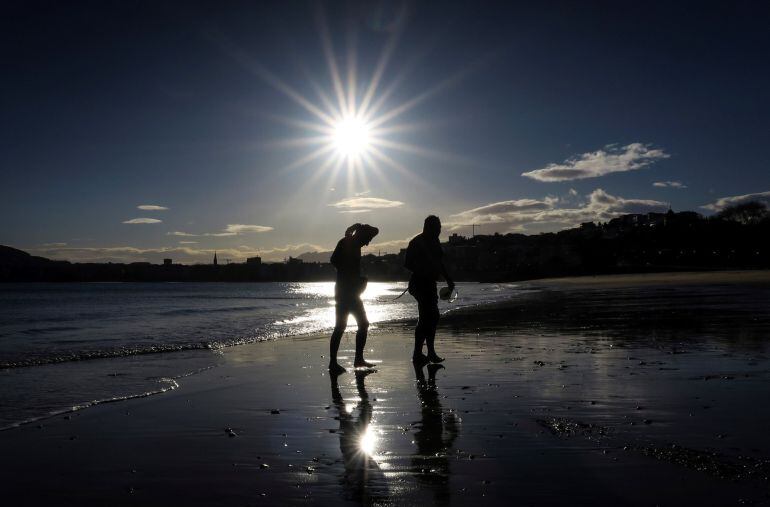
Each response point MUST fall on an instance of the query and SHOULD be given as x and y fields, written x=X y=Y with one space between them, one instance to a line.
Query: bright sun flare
x=351 y=127
x=351 y=137
x=368 y=441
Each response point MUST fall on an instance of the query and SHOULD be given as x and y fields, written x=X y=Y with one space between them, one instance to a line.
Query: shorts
x=347 y=302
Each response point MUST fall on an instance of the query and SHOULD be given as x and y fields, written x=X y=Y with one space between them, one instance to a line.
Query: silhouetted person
x=347 y=292
x=424 y=260
x=363 y=477
x=436 y=433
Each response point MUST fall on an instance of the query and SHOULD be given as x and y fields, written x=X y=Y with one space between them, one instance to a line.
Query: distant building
x=254 y=260
x=166 y=262
x=215 y=258
x=455 y=238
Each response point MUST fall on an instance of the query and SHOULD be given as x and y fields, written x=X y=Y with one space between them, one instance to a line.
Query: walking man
x=424 y=260
x=347 y=292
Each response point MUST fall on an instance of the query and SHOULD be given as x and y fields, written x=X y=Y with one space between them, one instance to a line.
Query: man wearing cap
x=347 y=292
x=424 y=260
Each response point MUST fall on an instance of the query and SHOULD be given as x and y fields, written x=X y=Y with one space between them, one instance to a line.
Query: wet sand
x=623 y=394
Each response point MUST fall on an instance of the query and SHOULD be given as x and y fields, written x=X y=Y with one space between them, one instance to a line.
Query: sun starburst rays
x=351 y=128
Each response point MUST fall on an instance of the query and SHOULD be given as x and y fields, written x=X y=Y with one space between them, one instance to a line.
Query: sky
x=135 y=131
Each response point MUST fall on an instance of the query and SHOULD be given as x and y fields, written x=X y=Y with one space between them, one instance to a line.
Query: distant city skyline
x=137 y=132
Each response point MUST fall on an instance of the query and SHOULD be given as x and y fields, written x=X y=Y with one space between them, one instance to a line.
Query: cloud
x=151 y=207
x=544 y=214
x=53 y=244
x=242 y=228
x=181 y=254
x=188 y=242
x=143 y=221
x=611 y=159
x=499 y=211
x=280 y=253
x=391 y=246
x=669 y=184
x=122 y=254
x=355 y=211
x=366 y=203
x=724 y=202
x=230 y=230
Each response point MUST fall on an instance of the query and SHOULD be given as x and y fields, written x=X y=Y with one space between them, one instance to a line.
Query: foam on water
x=76 y=345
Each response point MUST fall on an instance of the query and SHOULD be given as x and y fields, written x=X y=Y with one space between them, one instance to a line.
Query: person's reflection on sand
x=363 y=480
x=436 y=432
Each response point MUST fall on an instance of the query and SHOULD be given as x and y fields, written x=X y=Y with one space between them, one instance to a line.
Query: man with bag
x=424 y=260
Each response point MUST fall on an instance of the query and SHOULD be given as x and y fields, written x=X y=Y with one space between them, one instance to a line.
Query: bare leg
x=431 y=336
x=420 y=332
x=334 y=343
x=363 y=328
x=419 y=340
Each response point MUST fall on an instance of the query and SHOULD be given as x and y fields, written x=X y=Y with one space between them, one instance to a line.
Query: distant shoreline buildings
x=626 y=244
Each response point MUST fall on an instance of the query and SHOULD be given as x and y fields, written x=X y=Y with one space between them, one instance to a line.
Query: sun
x=352 y=134
x=351 y=137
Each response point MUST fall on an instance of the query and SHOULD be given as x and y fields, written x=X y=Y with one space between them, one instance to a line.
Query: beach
x=638 y=390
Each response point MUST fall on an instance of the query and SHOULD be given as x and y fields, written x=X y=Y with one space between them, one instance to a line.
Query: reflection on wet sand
x=363 y=481
x=436 y=433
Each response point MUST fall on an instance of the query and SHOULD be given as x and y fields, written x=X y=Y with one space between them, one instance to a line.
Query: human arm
x=445 y=274
x=350 y=230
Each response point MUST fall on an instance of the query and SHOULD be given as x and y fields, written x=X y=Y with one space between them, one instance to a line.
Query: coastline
x=615 y=404
x=728 y=277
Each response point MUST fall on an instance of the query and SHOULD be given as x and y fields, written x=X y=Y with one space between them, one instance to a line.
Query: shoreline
x=618 y=405
x=536 y=305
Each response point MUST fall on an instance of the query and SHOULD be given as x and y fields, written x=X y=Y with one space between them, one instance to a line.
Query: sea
x=65 y=347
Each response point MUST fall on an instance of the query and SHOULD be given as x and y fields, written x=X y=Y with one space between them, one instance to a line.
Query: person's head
x=364 y=233
x=432 y=226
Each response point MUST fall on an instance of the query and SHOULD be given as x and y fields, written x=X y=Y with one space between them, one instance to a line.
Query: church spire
x=215 y=257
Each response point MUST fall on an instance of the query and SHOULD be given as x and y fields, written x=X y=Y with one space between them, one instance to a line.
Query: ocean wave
x=51 y=329
x=170 y=384
x=271 y=327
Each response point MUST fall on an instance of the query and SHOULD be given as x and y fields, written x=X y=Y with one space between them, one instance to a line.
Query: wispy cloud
x=522 y=214
x=243 y=228
x=188 y=242
x=280 y=253
x=151 y=207
x=143 y=221
x=390 y=246
x=230 y=230
x=501 y=211
x=611 y=159
x=368 y=203
x=723 y=202
x=355 y=211
x=186 y=254
x=53 y=244
x=669 y=184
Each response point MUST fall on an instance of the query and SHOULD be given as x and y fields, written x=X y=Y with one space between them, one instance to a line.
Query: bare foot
x=433 y=358
x=336 y=369
x=360 y=363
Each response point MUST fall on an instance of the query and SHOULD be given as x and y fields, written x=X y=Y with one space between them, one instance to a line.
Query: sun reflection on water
x=378 y=298
x=368 y=443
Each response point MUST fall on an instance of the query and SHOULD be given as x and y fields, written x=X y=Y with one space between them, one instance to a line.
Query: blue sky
x=524 y=117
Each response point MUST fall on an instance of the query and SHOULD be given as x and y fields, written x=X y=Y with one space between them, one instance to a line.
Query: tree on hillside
x=747 y=213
